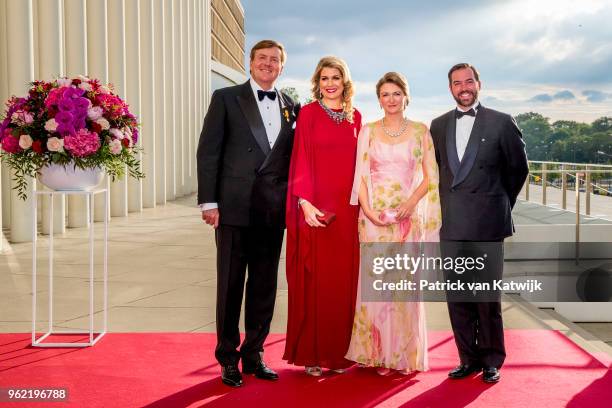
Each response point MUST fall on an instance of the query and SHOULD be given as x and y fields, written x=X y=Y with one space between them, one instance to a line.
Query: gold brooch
x=286 y=114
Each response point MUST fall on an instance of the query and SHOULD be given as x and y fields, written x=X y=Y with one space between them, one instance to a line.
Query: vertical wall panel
x=20 y=72
x=133 y=84
x=75 y=41
x=97 y=66
x=160 y=101
x=169 y=82
x=116 y=76
x=147 y=75
x=50 y=66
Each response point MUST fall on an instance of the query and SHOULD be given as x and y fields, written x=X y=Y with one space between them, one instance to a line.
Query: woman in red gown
x=323 y=260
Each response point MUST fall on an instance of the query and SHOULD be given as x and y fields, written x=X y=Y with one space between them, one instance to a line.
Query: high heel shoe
x=383 y=371
x=313 y=371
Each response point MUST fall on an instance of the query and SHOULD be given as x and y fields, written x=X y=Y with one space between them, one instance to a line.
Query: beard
x=469 y=102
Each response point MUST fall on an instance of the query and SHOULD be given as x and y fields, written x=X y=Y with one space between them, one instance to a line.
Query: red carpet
x=543 y=369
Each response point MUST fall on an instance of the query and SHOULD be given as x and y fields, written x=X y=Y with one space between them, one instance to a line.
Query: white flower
x=115 y=146
x=25 y=142
x=104 y=89
x=51 y=125
x=83 y=78
x=103 y=123
x=55 y=144
x=95 y=113
x=117 y=133
x=85 y=86
x=64 y=82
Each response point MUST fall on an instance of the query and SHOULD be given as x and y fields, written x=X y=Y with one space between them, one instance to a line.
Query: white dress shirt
x=463 y=128
x=270 y=115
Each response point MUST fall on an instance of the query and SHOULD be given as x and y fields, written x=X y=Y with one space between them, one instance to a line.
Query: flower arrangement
x=71 y=122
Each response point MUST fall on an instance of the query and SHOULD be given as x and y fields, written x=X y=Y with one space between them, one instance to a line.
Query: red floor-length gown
x=322 y=263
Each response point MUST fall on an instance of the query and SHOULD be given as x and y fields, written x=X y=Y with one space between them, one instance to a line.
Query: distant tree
x=566 y=140
x=603 y=124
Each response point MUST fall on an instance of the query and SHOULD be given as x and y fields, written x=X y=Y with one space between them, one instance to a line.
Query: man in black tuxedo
x=243 y=165
x=483 y=165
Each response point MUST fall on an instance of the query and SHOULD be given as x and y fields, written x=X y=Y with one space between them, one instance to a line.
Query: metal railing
x=582 y=175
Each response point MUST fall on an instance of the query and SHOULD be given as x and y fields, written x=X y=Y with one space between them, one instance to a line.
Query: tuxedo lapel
x=451 y=144
x=249 y=107
x=467 y=162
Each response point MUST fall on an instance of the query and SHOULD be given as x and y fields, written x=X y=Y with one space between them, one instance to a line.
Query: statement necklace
x=337 y=117
x=401 y=130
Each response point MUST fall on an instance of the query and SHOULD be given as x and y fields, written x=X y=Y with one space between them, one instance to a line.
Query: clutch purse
x=327 y=217
x=388 y=216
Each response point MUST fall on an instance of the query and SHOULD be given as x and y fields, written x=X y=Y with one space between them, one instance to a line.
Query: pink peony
x=95 y=113
x=116 y=133
x=25 y=142
x=83 y=144
x=115 y=146
x=21 y=118
x=55 y=144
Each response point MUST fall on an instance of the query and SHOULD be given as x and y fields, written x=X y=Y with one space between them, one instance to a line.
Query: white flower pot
x=71 y=178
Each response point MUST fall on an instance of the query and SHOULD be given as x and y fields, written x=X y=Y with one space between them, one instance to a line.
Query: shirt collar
x=475 y=106
x=255 y=87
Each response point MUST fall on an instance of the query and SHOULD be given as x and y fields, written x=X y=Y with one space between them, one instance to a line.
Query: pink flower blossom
x=25 y=142
x=64 y=82
x=10 y=143
x=55 y=144
x=95 y=113
x=22 y=117
x=116 y=133
x=51 y=125
x=103 y=123
x=115 y=146
x=83 y=143
x=85 y=86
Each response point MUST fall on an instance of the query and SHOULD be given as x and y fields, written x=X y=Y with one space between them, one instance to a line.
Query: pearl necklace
x=337 y=117
x=399 y=132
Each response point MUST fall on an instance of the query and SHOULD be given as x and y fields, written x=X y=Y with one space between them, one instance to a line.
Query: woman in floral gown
x=396 y=185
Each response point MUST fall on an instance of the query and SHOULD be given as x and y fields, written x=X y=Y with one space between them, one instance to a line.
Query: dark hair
x=463 y=65
x=269 y=44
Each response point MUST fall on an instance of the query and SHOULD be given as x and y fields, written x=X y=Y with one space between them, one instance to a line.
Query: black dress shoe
x=230 y=375
x=260 y=370
x=463 y=370
x=490 y=375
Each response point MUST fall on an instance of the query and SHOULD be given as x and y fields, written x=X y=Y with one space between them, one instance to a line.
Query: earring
x=320 y=95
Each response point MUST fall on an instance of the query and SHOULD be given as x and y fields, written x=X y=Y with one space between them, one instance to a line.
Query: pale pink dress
x=393 y=334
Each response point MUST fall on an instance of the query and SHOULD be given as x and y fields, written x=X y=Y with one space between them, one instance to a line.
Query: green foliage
x=566 y=140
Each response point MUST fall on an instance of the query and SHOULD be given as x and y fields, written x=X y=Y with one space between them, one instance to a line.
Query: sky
x=548 y=56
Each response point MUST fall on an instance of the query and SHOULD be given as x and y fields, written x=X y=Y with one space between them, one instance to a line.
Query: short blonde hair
x=269 y=44
x=349 y=89
x=397 y=79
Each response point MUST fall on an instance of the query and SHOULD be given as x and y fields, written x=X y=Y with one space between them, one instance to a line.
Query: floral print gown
x=393 y=334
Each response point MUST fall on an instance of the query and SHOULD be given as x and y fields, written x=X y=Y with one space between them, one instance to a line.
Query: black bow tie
x=262 y=94
x=459 y=114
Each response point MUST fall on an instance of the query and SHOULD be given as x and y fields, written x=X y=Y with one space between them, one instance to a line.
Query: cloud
x=596 y=96
x=564 y=95
x=542 y=98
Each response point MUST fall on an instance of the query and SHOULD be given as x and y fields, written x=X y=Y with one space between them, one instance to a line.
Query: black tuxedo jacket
x=477 y=193
x=236 y=167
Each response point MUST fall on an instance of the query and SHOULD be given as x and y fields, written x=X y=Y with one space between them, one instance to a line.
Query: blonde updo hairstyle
x=349 y=89
x=397 y=79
